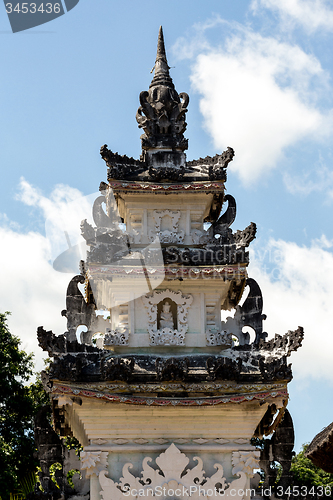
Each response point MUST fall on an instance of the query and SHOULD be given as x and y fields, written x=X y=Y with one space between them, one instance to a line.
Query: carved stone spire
x=162 y=116
x=161 y=76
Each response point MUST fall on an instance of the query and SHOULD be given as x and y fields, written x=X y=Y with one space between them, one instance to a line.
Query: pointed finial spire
x=161 y=76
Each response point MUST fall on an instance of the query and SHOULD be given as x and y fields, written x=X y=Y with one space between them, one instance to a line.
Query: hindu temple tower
x=159 y=391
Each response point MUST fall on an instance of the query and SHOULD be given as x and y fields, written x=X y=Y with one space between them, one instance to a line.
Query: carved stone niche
x=167 y=235
x=167 y=317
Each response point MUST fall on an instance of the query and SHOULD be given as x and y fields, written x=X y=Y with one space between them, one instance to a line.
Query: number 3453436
x=33 y=8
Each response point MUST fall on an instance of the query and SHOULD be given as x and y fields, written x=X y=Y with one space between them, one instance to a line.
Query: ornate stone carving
x=172 y=368
x=166 y=173
x=218 y=338
x=279 y=449
x=167 y=236
x=284 y=344
x=162 y=111
x=249 y=314
x=276 y=369
x=167 y=336
x=245 y=461
x=220 y=227
x=120 y=166
x=116 y=337
x=223 y=368
x=118 y=369
x=173 y=474
x=93 y=462
x=244 y=238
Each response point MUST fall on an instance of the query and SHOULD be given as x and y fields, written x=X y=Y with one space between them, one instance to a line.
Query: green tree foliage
x=307 y=474
x=19 y=402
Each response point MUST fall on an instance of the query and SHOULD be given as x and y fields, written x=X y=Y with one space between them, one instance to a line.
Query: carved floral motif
x=172 y=474
x=93 y=462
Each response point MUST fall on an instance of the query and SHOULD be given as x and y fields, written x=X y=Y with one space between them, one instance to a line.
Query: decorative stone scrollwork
x=249 y=314
x=167 y=236
x=116 y=337
x=218 y=338
x=244 y=238
x=167 y=335
x=284 y=344
x=245 y=461
x=173 y=474
x=93 y=462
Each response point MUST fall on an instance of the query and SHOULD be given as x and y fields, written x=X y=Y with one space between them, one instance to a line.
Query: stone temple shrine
x=164 y=396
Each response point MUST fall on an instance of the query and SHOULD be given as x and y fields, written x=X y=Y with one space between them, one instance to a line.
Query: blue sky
x=259 y=76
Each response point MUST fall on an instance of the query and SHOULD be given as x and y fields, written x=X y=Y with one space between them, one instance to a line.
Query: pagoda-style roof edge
x=172 y=401
x=143 y=187
x=166 y=166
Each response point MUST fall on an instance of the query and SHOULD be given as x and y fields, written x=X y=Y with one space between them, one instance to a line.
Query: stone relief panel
x=170 y=235
x=172 y=474
x=167 y=316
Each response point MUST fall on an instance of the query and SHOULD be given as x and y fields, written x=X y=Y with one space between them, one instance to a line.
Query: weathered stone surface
x=279 y=449
x=172 y=368
x=249 y=314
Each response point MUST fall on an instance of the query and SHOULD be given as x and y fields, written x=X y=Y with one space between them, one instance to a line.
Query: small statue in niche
x=166 y=314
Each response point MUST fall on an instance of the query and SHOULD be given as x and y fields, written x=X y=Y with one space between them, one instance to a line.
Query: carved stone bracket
x=167 y=336
x=116 y=337
x=218 y=338
x=173 y=473
x=93 y=462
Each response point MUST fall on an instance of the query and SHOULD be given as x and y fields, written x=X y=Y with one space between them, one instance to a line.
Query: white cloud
x=31 y=289
x=258 y=95
x=63 y=212
x=310 y=14
x=318 y=179
x=297 y=291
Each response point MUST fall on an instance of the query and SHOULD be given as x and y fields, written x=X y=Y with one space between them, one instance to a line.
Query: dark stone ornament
x=223 y=368
x=249 y=314
x=275 y=369
x=172 y=368
x=118 y=369
x=285 y=344
x=166 y=174
x=244 y=238
x=162 y=111
x=279 y=449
